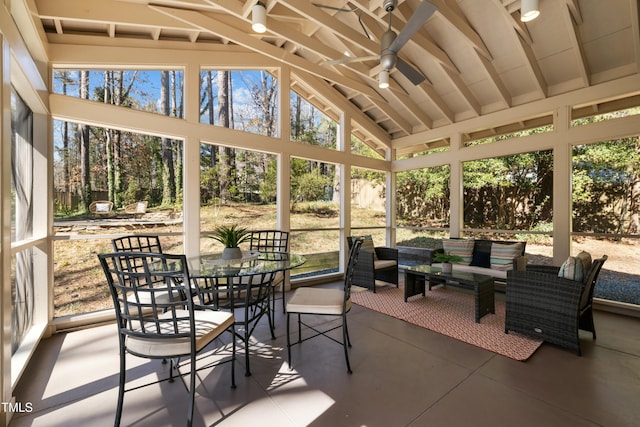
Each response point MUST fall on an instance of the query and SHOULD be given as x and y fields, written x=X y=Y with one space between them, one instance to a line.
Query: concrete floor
x=402 y=376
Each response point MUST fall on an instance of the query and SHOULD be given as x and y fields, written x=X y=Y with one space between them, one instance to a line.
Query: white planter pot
x=447 y=267
x=231 y=253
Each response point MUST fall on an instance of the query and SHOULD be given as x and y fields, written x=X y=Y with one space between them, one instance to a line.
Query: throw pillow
x=462 y=248
x=481 y=259
x=502 y=255
x=585 y=258
x=572 y=269
x=102 y=207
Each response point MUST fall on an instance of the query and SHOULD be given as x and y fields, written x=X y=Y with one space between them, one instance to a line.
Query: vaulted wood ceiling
x=477 y=56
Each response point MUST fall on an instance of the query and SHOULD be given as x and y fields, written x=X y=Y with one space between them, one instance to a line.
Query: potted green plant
x=231 y=236
x=446 y=258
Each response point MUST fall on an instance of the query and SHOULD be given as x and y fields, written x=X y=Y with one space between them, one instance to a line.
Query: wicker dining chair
x=157 y=319
x=324 y=302
x=542 y=305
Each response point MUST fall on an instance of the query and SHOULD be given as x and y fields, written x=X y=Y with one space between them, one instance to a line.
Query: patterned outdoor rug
x=451 y=312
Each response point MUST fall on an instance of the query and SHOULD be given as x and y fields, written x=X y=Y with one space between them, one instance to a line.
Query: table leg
x=413 y=284
x=485 y=299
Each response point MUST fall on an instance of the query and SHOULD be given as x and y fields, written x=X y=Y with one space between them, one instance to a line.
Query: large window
x=245 y=100
x=236 y=187
x=368 y=204
x=509 y=193
x=422 y=206
x=22 y=277
x=138 y=180
x=315 y=215
x=311 y=126
x=361 y=149
x=606 y=202
x=155 y=91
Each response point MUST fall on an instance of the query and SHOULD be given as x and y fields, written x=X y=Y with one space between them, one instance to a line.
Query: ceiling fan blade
x=417 y=20
x=350 y=59
x=414 y=76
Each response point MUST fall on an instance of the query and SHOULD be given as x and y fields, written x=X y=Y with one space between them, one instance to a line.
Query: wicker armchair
x=542 y=305
x=374 y=263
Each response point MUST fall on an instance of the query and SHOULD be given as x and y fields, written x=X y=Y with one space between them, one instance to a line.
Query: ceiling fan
x=391 y=43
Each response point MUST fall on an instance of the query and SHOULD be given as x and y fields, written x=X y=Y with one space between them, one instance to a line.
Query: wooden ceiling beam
x=340 y=29
x=107 y=12
x=244 y=38
x=458 y=22
x=574 y=8
x=521 y=37
x=534 y=69
x=576 y=45
x=323 y=50
x=399 y=94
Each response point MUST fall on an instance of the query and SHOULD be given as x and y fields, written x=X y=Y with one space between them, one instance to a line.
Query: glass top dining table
x=211 y=265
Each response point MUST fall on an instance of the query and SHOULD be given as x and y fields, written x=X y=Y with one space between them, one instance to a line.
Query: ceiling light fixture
x=383 y=79
x=529 y=10
x=259 y=17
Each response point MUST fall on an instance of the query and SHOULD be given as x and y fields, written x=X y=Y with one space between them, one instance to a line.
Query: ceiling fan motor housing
x=389 y=5
x=388 y=57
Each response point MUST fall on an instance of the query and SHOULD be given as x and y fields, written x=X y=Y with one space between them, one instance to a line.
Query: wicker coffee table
x=415 y=278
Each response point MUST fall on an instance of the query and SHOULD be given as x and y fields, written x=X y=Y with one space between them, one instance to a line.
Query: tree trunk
x=168 y=172
x=178 y=111
x=225 y=121
x=66 y=164
x=297 y=128
x=634 y=196
x=83 y=139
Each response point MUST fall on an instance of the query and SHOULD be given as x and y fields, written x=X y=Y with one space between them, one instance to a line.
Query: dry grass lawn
x=80 y=286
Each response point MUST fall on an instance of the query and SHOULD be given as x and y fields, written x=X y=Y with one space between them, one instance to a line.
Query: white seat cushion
x=161 y=297
x=317 y=301
x=383 y=263
x=209 y=324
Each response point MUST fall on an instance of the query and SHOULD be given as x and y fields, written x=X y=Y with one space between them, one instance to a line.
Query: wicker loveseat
x=481 y=260
x=543 y=305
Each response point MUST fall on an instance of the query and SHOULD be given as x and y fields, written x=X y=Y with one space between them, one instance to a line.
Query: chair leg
x=247 y=368
x=123 y=370
x=346 y=329
x=172 y=367
x=345 y=340
x=273 y=306
x=272 y=322
x=283 y=291
x=192 y=391
x=288 y=343
x=587 y=323
x=233 y=357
